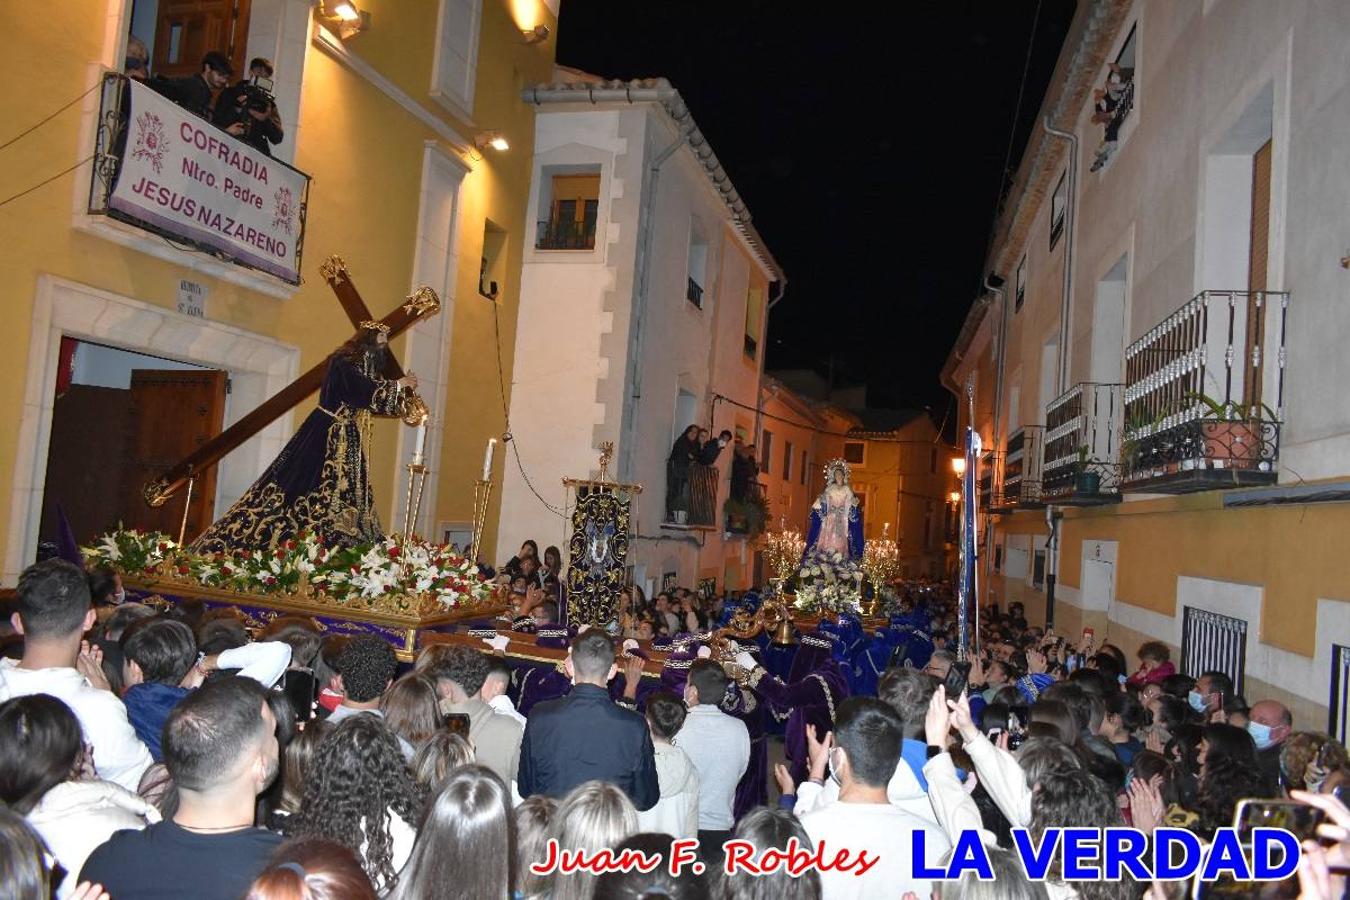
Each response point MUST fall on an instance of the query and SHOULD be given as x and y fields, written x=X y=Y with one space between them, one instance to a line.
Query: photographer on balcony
x=248 y=110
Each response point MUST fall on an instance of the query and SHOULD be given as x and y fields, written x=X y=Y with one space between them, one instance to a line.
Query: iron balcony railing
x=1022 y=467
x=565 y=234
x=694 y=293
x=989 y=483
x=1082 y=439
x=1204 y=394
x=691 y=495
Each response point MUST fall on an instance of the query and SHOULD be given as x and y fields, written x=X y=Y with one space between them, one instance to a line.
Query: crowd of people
x=149 y=753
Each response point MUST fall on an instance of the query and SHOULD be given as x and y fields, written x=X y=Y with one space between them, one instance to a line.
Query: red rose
x=245 y=554
x=163 y=546
x=281 y=554
x=393 y=552
x=290 y=545
x=226 y=571
x=182 y=570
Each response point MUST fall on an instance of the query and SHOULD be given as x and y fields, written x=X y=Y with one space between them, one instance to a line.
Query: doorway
x=119 y=419
x=180 y=32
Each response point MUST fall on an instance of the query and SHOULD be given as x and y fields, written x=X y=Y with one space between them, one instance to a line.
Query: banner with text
x=183 y=175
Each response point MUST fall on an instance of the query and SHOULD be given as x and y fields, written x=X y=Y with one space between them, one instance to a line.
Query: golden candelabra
x=783 y=550
x=881 y=562
x=482 y=496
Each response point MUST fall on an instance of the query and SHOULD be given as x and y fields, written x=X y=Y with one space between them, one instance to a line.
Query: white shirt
x=676 y=813
x=719 y=747
x=885 y=832
x=502 y=704
x=119 y=755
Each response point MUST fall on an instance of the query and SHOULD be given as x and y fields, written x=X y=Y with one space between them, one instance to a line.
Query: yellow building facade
x=387 y=123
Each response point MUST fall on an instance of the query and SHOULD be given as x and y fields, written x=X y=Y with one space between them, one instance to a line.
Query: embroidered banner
x=596 y=553
x=182 y=175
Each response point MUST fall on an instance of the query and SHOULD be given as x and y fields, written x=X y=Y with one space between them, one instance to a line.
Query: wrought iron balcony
x=694 y=293
x=1204 y=395
x=565 y=234
x=989 y=485
x=1022 y=469
x=1082 y=437
x=691 y=495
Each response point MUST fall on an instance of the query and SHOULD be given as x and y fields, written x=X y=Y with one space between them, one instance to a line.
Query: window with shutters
x=456 y=62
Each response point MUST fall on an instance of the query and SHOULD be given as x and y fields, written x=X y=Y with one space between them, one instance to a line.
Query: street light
x=954 y=497
x=959 y=465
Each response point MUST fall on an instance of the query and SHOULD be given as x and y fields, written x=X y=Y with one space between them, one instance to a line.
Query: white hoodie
x=676 y=813
x=75 y=817
x=119 y=755
x=903 y=791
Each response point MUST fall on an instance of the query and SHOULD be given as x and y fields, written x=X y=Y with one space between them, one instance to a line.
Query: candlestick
x=420 y=443
x=487 y=459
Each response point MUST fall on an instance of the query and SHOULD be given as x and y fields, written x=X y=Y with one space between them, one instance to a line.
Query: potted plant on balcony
x=747 y=515
x=1086 y=482
x=1232 y=431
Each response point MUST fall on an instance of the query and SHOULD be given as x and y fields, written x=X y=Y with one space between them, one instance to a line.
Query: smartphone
x=458 y=723
x=1297 y=818
x=957 y=676
x=1089 y=634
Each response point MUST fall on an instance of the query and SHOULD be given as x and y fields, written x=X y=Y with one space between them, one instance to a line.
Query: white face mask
x=829 y=765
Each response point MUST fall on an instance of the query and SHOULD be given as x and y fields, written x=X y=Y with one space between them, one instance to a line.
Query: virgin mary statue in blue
x=836 y=520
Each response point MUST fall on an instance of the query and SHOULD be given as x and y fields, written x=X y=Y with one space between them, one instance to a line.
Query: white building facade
x=644 y=304
x=1171 y=321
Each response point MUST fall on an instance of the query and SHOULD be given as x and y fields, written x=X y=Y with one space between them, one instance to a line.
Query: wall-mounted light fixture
x=343 y=18
x=536 y=35
x=493 y=139
x=959 y=465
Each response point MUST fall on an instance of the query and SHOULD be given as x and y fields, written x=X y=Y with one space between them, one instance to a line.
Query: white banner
x=184 y=175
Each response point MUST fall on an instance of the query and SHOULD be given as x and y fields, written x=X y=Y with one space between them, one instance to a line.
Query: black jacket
x=192 y=93
x=586 y=736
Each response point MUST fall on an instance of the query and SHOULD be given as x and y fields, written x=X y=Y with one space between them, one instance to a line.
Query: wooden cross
x=421 y=303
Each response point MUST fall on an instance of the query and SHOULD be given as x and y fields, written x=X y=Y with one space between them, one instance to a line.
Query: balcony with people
x=201 y=177
x=1204 y=395
x=1082 y=434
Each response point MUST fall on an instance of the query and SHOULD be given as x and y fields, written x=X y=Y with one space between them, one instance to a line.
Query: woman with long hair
x=42 y=758
x=1074 y=798
x=768 y=828
x=1010 y=881
x=297 y=761
x=1228 y=772
x=660 y=882
x=312 y=870
x=438 y=756
x=533 y=819
x=467 y=839
x=360 y=794
x=1124 y=716
x=412 y=711
x=595 y=815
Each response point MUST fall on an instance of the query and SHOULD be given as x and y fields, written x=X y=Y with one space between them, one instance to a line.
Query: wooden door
x=1257 y=273
x=172 y=413
x=186 y=30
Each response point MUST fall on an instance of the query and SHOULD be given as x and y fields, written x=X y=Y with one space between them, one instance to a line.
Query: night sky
x=869 y=143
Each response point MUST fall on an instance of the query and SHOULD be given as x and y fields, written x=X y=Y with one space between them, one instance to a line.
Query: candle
x=487 y=459
x=420 y=446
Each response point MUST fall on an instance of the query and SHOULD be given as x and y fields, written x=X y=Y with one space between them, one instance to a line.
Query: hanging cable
x=508 y=437
x=45 y=182
x=1012 y=130
x=28 y=131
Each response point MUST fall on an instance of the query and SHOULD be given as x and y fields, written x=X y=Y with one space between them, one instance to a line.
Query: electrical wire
x=28 y=131
x=45 y=182
x=812 y=428
x=507 y=436
x=1012 y=130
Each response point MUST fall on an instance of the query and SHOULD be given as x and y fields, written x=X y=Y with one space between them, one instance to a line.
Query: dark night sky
x=869 y=145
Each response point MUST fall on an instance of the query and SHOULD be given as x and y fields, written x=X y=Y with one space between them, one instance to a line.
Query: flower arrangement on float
x=412 y=567
x=828 y=583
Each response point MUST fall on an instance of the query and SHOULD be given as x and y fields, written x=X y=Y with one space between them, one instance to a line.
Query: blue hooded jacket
x=148 y=707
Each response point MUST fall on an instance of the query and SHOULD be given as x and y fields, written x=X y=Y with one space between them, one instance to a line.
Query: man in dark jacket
x=585 y=736
x=194 y=92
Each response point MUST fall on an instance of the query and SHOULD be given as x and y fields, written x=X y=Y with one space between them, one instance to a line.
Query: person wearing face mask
x=1270 y=723
x=1208 y=696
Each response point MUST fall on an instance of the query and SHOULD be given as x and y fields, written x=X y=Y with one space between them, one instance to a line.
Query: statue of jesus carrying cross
x=320 y=482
